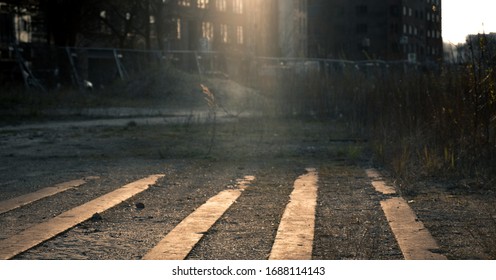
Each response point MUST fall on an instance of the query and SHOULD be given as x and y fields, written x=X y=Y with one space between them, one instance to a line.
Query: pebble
x=96 y=217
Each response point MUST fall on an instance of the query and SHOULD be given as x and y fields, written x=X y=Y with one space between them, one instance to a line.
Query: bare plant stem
x=212 y=107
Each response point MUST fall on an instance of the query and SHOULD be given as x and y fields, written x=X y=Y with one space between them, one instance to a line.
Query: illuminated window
x=208 y=30
x=185 y=3
x=202 y=4
x=178 y=28
x=104 y=28
x=238 y=6
x=224 y=33
x=239 y=35
x=221 y=5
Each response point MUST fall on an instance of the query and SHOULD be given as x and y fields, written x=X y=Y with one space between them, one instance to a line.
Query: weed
x=212 y=106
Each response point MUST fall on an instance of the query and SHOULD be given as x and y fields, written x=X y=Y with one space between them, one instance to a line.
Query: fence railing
x=49 y=68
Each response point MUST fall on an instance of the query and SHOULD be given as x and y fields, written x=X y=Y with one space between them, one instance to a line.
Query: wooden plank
x=294 y=239
x=177 y=244
x=16 y=202
x=39 y=233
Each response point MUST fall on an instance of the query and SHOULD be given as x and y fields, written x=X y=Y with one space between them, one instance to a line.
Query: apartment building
x=255 y=27
x=15 y=29
x=293 y=28
x=385 y=29
x=208 y=25
x=262 y=26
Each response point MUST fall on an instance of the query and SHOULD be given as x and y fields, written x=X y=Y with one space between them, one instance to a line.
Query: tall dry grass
x=420 y=121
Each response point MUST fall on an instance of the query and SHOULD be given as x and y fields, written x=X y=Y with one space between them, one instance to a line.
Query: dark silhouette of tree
x=119 y=23
x=64 y=19
x=160 y=10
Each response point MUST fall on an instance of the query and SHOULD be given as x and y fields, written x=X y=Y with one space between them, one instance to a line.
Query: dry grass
x=420 y=122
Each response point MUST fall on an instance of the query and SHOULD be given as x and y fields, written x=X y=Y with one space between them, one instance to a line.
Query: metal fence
x=49 y=68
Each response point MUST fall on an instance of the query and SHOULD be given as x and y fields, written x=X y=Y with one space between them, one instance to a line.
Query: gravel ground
x=350 y=221
x=463 y=219
x=201 y=159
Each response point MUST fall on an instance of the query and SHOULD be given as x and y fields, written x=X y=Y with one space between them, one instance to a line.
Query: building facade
x=262 y=27
x=386 y=29
x=293 y=28
x=255 y=27
x=208 y=25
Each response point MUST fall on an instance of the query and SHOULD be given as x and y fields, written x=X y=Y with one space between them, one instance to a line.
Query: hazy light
x=461 y=18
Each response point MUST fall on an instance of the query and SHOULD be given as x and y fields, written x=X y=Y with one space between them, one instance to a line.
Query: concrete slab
x=10 y=204
x=177 y=244
x=415 y=241
x=378 y=183
x=39 y=233
x=294 y=239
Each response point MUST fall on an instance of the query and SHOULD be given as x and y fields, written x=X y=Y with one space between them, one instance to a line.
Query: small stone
x=96 y=217
x=140 y=205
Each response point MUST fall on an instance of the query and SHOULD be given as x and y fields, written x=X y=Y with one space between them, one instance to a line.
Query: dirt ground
x=201 y=156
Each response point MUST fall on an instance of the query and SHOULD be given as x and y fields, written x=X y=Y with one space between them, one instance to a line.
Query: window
x=104 y=28
x=239 y=35
x=238 y=6
x=185 y=3
x=221 y=5
x=202 y=4
x=208 y=30
x=178 y=28
x=224 y=33
x=394 y=28
x=395 y=47
x=395 y=10
x=361 y=28
x=361 y=10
